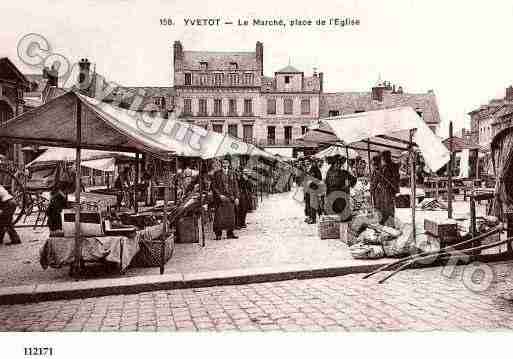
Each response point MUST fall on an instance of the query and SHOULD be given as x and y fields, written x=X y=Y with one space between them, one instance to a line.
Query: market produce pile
x=367 y=239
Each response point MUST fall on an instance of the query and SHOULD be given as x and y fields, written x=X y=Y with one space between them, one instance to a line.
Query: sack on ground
x=369 y=236
x=401 y=246
x=360 y=222
x=366 y=251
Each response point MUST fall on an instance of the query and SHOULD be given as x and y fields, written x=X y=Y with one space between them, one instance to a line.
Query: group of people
x=232 y=196
x=326 y=188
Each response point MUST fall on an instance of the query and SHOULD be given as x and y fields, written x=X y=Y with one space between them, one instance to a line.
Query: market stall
x=395 y=130
x=75 y=121
x=80 y=122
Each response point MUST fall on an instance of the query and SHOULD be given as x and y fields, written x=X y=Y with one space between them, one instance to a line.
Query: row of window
x=218 y=107
x=247 y=131
x=288 y=106
x=219 y=79
x=204 y=66
x=233 y=130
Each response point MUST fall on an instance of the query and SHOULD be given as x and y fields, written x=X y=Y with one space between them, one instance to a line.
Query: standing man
x=226 y=198
x=390 y=185
x=7 y=209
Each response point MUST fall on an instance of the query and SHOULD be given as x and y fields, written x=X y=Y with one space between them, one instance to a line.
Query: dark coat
x=338 y=179
x=315 y=172
x=224 y=185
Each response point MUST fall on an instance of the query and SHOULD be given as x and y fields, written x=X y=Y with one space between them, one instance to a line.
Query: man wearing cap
x=7 y=209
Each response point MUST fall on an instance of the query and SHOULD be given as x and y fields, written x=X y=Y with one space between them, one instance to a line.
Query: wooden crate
x=188 y=229
x=445 y=229
x=329 y=227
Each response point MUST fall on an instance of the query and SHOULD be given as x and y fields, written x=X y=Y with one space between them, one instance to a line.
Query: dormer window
x=233 y=66
x=203 y=66
x=287 y=79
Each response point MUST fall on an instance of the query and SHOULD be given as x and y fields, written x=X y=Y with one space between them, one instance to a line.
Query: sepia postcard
x=250 y=179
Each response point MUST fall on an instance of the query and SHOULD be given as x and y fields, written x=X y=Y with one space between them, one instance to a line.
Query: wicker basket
x=329 y=227
x=150 y=252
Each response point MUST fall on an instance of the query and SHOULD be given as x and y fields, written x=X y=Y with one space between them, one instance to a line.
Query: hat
x=228 y=158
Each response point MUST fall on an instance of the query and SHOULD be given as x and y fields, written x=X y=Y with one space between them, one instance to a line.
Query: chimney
x=52 y=75
x=177 y=55
x=321 y=80
x=84 y=76
x=509 y=93
x=260 y=56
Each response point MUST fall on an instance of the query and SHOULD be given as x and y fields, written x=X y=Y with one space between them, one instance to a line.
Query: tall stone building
x=219 y=90
x=227 y=92
x=290 y=103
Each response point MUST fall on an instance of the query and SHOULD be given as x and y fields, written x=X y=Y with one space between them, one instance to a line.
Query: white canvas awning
x=108 y=127
x=102 y=164
x=60 y=154
x=379 y=131
x=182 y=138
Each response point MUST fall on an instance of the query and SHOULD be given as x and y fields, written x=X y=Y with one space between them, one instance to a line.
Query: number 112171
x=38 y=351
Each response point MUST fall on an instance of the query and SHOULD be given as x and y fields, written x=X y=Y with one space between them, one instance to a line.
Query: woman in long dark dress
x=390 y=184
x=338 y=186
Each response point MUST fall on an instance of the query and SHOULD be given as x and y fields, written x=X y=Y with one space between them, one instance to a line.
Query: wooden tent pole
x=347 y=157
x=78 y=238
x=175 y=184
x=370 y=171
x=413 y=185
x=200 y=180
x=165 y=222
x=449 y=177
x=136 y=182
x=369 y=158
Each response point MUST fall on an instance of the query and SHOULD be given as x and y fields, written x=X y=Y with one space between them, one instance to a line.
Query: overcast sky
x=461 y=50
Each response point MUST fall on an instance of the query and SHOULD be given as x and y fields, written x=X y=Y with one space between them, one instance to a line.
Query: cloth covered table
x=59 y=251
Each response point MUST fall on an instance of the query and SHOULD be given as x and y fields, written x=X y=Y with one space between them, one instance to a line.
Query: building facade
x=290 y=103
x=487 y=120
x=219 y=91
x=13 y=85
x=227 y=92
x=382 y=96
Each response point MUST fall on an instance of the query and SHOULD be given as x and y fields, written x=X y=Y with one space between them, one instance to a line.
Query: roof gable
x=289 y=69
x=8 y=71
